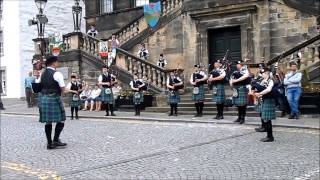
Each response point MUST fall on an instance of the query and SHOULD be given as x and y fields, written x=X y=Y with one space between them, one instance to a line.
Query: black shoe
x=51 y=146
x=236 y=121
x=283 y=114
x=71 y=118
x=112 y=114
x=200 y=115
x=296 y=116
x=260 y=129
x=197 y=115
x=291 y=116
x=59 y=143
x=175 y=114
x=217 y=116
x=241 y=121
x=170 y=114
x=107 y=114
x=267 y=139
x=77 y=118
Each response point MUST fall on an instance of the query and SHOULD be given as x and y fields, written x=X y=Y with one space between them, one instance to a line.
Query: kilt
x=51 y=109
x=200 y=95
x=106 y=98
x=268 y=110
x=74 y=103
x=138 y=100
x=174 y=97
x=242 y=98
x=220 y=96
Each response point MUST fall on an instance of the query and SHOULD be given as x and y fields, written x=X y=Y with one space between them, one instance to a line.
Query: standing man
x=137 y=86
x=174 y=83
x=28 y=89
x=218 y=93
x=162 y=62
x=143 y=53
x=292 y=81
x=92 y=31
x=198 y=79
x=238 y=81
x=107 y=81
x=51 y=106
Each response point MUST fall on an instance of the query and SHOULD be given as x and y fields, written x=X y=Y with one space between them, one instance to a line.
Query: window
x=141 y=2
x=106 y=6
x=3 y=85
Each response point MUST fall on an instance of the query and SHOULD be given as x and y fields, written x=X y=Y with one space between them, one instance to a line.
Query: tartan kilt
x=51 y=109
x=138 y=100
x=74 y=103
x=200 y=95
x=268 y=109
x=220 y=96
x=242 y=98
x=106 y=98
x=174 y=98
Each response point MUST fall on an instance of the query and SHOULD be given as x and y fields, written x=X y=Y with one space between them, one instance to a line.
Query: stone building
x=202 y=31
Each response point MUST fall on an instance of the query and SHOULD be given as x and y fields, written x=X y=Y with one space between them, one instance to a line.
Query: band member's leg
x=269 y=137
x=175 y=105
x=72 y=111
x=111 y=110
x=239 y=114
x=48 y=131
x=243 y=114
x=76 y=111
x=138 y=109
x=197 y=108
x=262 y=128
x=218 y=111
x=57 y=132
x=201 y=105
x=107 y=108
x=171 y=109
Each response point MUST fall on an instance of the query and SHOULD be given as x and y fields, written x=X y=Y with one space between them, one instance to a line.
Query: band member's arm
x=58 y=77
x=168 y=84
x=205 y=77
x=267 y=90
x=191 y=80
x=133 y=88
x=102 y=83
x=222 y=75
x=68 y=89
x=180 y=82
x=143 y=84
x=245 y=76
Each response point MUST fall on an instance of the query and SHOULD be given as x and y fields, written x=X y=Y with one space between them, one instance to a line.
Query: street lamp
x=40 y=20
x=77 y=14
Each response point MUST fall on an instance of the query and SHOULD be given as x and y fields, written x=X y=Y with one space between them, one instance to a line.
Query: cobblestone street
x=100 y=149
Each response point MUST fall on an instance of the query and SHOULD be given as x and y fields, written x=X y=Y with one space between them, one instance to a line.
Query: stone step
x=192 y=108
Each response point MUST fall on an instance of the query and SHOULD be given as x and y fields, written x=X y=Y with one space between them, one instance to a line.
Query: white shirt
x=131 y=83
x=143 y=50
x=57 y=76
x=95 y=93
x=201 y=72
x=85 y=93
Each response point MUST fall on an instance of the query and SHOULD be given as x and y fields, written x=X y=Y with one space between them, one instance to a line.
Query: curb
x=149 y=119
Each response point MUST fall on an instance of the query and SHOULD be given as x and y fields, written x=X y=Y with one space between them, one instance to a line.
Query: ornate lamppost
x=77 y=15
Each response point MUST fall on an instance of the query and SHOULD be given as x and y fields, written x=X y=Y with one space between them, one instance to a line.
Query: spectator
x=28 y=89
x=85 y=94
x=114 y=43
x=95 y=98
x=292 y=81
x=92 y=31
x=162 y=62
x=116 y=90
x=143 y=53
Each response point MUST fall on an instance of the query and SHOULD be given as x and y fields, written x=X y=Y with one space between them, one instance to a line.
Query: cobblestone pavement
x=99 y=149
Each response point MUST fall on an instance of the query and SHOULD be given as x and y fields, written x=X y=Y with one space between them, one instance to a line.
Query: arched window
x=106 y=6
x=141 y=2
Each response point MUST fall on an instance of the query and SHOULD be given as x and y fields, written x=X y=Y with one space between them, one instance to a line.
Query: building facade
x=17 y=50
x=204 y=30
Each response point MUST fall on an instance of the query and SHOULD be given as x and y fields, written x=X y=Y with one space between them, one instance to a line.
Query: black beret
x=293 y=63
x=197 y=65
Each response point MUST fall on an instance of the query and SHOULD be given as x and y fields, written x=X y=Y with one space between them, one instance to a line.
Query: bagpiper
x=174 y=83
x=268 y=106
x=198 y=79
x=107 y=80
x=162 y=62
x=137 y=86
x=217 y=78
x=238 y=81
x=50 y=104
x=74 y=100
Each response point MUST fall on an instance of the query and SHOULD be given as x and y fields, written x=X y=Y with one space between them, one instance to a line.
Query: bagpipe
x=196 y=76
x=237 y=75
x=173 y=82
x=225 y=65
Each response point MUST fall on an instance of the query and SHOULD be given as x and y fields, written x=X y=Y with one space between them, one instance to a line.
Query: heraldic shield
x=152 y=13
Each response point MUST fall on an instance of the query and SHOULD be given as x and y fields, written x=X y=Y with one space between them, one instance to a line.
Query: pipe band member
x=238 y=81
x=74 y=100
x=268 y=106
x=50 y=104
x=174 y=83
x=162 y=62
x=107 y=81
x=137 y=86
x=198 y=79
x=217 y=78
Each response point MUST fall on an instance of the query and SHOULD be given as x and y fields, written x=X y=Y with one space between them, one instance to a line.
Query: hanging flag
x=152 y=13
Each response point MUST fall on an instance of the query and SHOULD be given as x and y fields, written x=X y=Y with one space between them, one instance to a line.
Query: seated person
x=85 y=94
x=95 y=98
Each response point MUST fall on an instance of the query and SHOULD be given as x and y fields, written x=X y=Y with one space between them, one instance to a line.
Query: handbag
x=107 y=91
x=235 y=93
x=195 y=90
